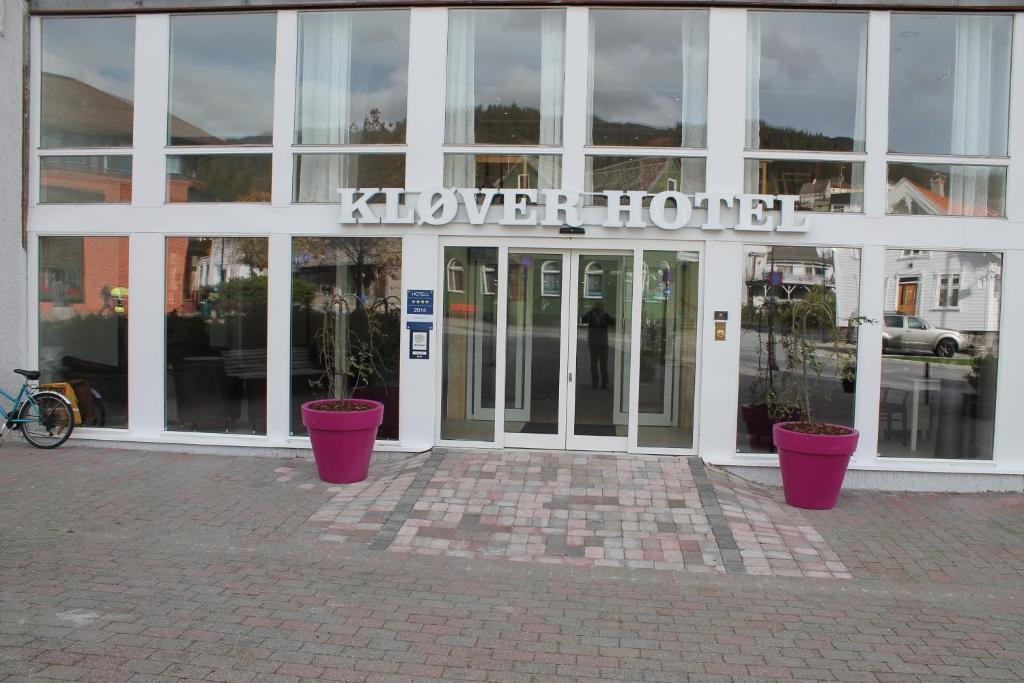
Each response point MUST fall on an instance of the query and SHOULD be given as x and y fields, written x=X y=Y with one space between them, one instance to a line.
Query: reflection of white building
x=223 y=264
x=832 y=195
x=957 y=290
x=800 y=270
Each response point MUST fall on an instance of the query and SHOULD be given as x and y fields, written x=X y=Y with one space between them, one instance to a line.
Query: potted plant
x=813 y=456
x=342 y=429
x=770 y=391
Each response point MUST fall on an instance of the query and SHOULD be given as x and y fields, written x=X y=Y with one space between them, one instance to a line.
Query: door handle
x=570 y=376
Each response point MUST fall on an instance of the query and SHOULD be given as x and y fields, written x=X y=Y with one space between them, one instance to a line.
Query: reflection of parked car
x=910 y=333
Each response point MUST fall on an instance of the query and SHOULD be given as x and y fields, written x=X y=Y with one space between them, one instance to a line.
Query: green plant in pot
x=814 y=455
x=343 y=428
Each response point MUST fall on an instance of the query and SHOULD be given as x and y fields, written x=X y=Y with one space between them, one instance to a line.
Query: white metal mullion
x=1006 y=450
x=566 y=354
x=575 y=97
x=947 y=160
x=727 y=73
x=279 y=338
x=152 y=64
x=876 y=116
x=688 y=152
x=869 y=353
x=428 y=42
x=32 y=314
x=633 y=420
x=147 y=358
x=1015 y=172
x=284 y=107
x=501 y=347
x=572 y=329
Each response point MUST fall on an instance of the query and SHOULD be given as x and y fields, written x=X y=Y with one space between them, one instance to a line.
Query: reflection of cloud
x=91 y=50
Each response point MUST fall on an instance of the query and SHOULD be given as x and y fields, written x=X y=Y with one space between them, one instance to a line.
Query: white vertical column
x=1006 y=449
x=152 y=62
x=146 y=352
x=501 y=351
x=284 y=108
x=1015 y=174
x=35 y=53
x=869 y=353
x=574 y=123
x=877 y=115
x=279 y=388
x=720 y=360
x=428 y=46
x=727 y=75
x=418 y=408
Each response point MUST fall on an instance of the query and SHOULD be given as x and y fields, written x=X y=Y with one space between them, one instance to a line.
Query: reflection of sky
x=222 y=73
x=922 y=65
x=508 y=52
x=809 y=66
x=97 y=51
x=638 y=81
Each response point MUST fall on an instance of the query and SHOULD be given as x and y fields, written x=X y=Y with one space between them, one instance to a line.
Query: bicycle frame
x=10 y=416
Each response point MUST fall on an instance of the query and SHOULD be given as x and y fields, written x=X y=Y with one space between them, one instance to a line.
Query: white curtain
x=753 y=80
x=549 y=171
x=981 y=76
x=460 y=98
x=552 y=75
x=324 y=105
x=459 y=170
x=590 y=79
x=695 y=78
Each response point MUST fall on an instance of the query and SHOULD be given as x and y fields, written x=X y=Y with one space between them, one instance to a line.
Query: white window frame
x=555 y=269
x=949 y=289
x=455 y=271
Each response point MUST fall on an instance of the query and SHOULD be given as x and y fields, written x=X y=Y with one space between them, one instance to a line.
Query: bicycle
x=45 y=418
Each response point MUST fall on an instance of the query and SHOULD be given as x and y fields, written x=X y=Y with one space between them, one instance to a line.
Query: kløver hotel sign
x=558 y=208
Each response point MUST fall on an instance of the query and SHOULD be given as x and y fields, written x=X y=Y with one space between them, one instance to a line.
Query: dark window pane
x=505 y=76
x=826 y=186
x=222 y=79
x=650 y=92
x=653 y=174
x=469 y=360
x=352 y=77
x=83 y=323
x=939 y=359
x=85 y=180
x=218 y=178
x=821 y=286
x=318 y=176
x=946 y=190
x=949 y=84
x=346 y=306
x=500 y=171
x=216 y=310
x=806 y=74
x=87 y=82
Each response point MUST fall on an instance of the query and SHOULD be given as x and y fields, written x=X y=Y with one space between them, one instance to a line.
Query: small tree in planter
x=770 y=392
x=813 y=456
x=342 y=428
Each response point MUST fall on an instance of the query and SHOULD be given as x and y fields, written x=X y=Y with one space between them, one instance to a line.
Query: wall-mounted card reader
x=721 y=319
x=419 y=338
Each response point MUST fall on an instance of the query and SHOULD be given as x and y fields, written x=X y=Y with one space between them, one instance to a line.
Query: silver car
x=908 y=333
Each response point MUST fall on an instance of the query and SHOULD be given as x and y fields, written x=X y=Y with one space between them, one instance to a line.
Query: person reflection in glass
x=598 y=321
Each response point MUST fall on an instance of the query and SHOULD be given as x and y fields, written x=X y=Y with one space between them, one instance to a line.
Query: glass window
x=318 y=176
x=652 y=174
x=469 y=355
x=501 y=171
x=85 y=180
x=819 y=287
x=87 y=84
x=505 y=76
x=827 y=186
x=346 y=332
x=352 y=77
x=216 y=329
x=668 y=349
x=593 y=280
x=650 y=92
x=218 y=178
x=949 y=291
x=949 y=83
x=83 y=323
x=222 y=79
x=806 y=80
x=456 y=276
x=551 y=279
x=938 y=393
x=946 y=190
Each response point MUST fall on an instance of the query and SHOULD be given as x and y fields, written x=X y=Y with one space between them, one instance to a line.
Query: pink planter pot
x=813 y=465
x=342 y=440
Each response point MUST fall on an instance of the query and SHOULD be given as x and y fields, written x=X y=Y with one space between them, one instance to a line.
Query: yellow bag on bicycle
x=67 y=391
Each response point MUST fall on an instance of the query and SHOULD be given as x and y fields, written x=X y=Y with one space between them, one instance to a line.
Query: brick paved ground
x=117 y=566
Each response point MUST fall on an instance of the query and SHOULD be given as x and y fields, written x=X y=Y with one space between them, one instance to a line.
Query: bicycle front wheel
x=46 y=420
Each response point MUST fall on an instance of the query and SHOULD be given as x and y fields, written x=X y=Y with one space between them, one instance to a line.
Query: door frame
x=566 y=246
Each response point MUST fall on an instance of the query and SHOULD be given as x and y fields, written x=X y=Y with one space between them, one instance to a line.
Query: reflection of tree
x=228 y=178
x=375 y=130
x=631 y=133
x=367 y=258
x=507 y=124
x=783 y=137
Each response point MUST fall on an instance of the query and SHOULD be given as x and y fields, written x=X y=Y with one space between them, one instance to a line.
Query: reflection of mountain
x=630 y=133
x=774 y=137
x=507 y=124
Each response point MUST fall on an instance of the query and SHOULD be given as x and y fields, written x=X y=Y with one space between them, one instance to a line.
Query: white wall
x=12 y=254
